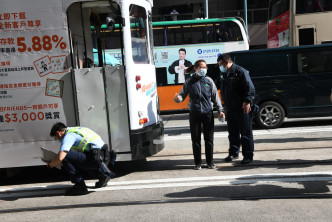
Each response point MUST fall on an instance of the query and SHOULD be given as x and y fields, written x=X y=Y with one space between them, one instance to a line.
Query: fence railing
x=253 y=15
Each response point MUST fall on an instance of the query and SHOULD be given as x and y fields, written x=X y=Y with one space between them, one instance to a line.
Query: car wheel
x=271 y=115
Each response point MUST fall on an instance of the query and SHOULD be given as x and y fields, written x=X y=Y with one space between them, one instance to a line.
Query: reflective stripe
x=87 y=134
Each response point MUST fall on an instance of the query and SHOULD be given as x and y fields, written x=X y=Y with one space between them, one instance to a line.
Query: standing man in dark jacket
x=237 y=92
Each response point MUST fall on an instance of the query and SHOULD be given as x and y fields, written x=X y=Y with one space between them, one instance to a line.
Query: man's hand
x=58 y=159
x=177 y=98
x=222 y=115
x=246 y=107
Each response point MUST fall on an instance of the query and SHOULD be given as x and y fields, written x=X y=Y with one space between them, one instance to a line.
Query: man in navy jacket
x=238 y=93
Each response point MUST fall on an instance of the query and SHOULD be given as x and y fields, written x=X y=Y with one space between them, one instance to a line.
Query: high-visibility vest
x=87 y=136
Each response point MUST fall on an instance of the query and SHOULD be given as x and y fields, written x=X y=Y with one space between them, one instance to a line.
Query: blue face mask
x=222 y=69
x=202 y=72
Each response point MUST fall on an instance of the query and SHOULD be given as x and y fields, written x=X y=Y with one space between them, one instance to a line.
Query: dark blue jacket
x=203 y=94
x=236 y=88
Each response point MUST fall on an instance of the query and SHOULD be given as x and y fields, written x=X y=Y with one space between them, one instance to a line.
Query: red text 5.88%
x=37 y=44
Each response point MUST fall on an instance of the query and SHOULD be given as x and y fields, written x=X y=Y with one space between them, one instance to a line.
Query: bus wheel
x=271 y=115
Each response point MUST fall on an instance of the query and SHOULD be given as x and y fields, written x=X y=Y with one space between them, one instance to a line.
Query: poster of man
x=283 y=38
x=178 y=67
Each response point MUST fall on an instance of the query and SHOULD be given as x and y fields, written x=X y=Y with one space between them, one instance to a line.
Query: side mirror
x=110 y=23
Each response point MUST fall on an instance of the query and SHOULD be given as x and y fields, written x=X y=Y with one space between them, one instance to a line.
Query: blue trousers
x=240 y=133
x=76 y=164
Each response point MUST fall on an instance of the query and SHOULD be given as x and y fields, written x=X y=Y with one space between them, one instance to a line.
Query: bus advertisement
x=278 y=24
x=296 y=23
x=170 y=76
x=278 y=31
x=47 y=76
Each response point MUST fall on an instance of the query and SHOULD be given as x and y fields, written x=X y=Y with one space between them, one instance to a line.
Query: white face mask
x=202 y=72
x=222 y=69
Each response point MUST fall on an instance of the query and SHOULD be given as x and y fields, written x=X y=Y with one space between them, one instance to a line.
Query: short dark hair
x=223 y=57
x=191 y=68
x=183 y=49
x=57 y=127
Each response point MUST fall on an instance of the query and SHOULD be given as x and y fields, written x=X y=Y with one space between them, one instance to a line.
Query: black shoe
x=103 y=182
x=229 y=158
x=246 y=160
x=77 y=189
x=197 y=167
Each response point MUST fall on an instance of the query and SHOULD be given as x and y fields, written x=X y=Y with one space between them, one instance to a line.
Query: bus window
x=310 y=6
x=227 y=31
x=235 y=32
x=187 y=35
x=108 y=40
x=211 y=33
x=314 y=62
x=174 y=35
x=198 y=34
x=138 y=21
x=278 y=7
x=89 y=40
x=158 y=36
x=151 y=41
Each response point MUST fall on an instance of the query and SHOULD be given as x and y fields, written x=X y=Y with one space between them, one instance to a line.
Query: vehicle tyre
x=271 y=115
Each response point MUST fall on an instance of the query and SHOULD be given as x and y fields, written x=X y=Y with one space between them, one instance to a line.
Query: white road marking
x=218 y=180
x=296 y=130
x=176 y=182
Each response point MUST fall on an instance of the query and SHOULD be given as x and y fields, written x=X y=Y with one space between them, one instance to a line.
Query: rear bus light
x=138 y=86
x=138 y=78
x=143 y=120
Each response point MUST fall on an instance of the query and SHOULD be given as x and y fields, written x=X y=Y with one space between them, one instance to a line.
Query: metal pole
x=245 y=15
x=291 y=28
x=206 y=3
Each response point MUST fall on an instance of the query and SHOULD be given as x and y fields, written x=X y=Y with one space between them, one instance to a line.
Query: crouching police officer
x=81 y=149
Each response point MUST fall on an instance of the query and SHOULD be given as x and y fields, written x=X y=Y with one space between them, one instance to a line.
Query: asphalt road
x=289 y=180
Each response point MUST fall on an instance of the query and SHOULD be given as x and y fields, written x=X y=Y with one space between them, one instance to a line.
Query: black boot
x=77 y=189
x=104 y=176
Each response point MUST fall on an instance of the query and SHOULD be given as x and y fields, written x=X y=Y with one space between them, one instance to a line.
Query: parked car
x=290 y=82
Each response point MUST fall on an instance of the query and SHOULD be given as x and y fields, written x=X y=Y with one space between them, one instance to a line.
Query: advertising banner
x=169 y=57
x=34 y=49
x=278 y=31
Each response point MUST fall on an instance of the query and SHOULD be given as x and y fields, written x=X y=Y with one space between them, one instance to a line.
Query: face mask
x=202 y=72
x=222 y=69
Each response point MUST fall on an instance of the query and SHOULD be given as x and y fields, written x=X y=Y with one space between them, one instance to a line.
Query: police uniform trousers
x=197 y=120
x=76 y=164
x=240 y=133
